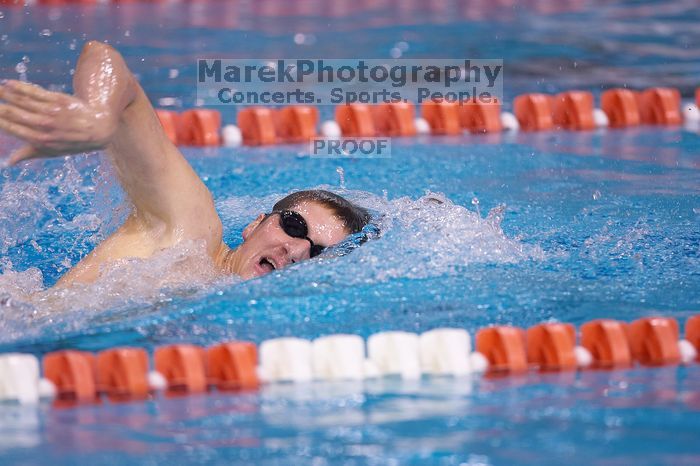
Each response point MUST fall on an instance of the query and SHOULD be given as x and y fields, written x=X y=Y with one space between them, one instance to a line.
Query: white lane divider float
x=285 y=360
x=479 y=362
x=19 y=378
x=338 y=357
x=231 y=136
x=330 y=129
x=47 y=389
x=157 y=381
x=422 y=126
x=691 y=116
x=509 y=122
x=600 y=118
x=687 y=351
x=691 y=113
x=445 y=351
x=584 y=358
x=395 y=353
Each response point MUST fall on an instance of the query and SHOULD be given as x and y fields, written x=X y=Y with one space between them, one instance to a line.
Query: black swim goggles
x=294 y=225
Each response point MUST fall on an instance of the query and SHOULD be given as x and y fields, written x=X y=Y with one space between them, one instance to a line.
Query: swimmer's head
x=299 y=227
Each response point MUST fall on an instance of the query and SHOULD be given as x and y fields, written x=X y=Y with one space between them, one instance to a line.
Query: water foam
x=47 y=223
x=427 y=237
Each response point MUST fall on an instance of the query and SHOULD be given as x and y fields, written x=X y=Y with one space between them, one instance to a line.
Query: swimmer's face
x=266 y=247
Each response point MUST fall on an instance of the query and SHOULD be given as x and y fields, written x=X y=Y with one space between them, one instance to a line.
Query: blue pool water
x=509 y=229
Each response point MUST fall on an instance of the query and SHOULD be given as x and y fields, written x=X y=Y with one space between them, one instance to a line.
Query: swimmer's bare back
x=110 y=111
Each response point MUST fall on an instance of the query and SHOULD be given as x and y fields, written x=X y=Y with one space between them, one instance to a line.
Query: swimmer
x=110 y=111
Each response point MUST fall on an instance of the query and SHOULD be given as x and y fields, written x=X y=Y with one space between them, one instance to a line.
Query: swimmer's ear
x=252 y=226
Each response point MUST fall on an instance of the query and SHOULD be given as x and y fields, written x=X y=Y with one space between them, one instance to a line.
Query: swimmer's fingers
x=19 y=99
x=32 y=91
x=24 y=117
x=40 y=141
x=21 y=131
x=52 y=123
x=23 y=153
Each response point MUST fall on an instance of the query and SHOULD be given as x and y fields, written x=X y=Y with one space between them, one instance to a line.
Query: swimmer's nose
x=298 y=249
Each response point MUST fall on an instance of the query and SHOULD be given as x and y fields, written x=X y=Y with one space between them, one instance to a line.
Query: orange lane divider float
x=551 y=347
x=478 y=117
x=262 y=126
x=296 y=123
x=385 y=119
x=606 y=340
x=443 y=117
x=570 y=110
x=122 y=374
x=534 y=112
x=394 y=119
x=59 y=2
x=654 y=341
x=692 y=333
x=573 y=110
x=182 y=366
x=399 y=119
x=46 y=2
x=504 y=349
x=355 y=120
x=233 y=366
x=74 y=375
x=199 y=127
x=620 y=105
x=257 y=126
x=660 y=106
x=196 y=127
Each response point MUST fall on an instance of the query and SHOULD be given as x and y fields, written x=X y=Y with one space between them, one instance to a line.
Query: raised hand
x=52 y=123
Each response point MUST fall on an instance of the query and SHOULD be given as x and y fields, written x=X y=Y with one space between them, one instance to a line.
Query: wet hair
x=353 y=216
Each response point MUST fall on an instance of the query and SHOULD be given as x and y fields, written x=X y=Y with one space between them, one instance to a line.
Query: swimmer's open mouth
x=267 y=264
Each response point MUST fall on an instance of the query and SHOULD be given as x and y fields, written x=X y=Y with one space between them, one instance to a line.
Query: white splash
x=427 y=237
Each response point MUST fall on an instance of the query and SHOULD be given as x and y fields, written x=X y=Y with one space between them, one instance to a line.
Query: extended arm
x=110 y=111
